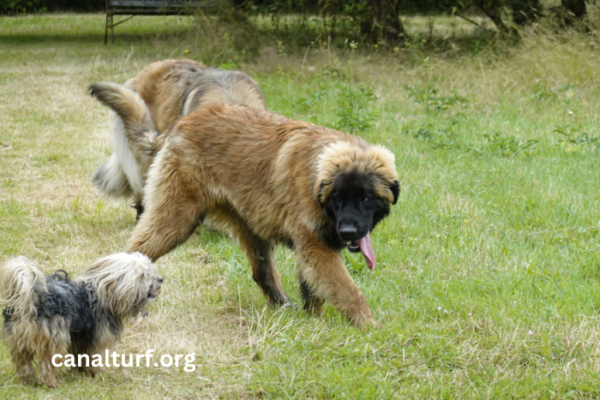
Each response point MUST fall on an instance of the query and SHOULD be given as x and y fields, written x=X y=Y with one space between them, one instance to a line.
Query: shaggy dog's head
x=356 y=184
x=124 y=283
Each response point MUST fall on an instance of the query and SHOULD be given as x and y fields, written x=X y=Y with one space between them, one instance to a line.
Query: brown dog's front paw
x=370 y=323
x=364 y=320
x=51 y=382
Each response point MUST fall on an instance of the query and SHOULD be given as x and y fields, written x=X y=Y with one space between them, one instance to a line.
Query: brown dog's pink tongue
x=367 y=250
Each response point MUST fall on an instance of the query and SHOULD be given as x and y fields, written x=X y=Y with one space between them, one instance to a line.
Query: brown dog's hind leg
x=323 y=271
x=139 y=210
x=264 y=271
x=312 y=303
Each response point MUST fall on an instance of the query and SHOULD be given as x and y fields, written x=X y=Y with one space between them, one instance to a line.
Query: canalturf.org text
x=108 y=360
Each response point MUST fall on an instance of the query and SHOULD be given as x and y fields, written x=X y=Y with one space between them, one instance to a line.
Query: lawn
x=488 y=275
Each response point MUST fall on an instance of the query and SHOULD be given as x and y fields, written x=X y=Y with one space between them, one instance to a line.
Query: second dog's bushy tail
x=21 y=285
x=138 y=131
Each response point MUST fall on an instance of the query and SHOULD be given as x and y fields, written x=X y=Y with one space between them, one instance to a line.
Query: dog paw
x=364 y=322
x=52 y=383
x=28 y=380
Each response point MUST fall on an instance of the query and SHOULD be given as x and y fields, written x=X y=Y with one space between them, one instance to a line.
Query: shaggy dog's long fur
x=48 y=315
x=266 y=179
x=159 y=95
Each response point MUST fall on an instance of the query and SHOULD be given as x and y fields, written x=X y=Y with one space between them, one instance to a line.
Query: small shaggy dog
x=49 y=315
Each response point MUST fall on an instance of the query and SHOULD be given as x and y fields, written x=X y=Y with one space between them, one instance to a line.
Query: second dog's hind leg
x=139 y=210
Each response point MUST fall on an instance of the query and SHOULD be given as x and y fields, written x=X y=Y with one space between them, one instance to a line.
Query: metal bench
x=147 y=7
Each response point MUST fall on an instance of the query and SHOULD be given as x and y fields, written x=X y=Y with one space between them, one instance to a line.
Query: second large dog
x=266 y=179
x=160 y=94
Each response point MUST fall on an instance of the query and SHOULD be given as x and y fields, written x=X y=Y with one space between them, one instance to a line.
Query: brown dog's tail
x=21 y=285
x=133 y=141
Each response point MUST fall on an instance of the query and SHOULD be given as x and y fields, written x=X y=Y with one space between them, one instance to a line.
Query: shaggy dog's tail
x=21 y=285
x=133 y=140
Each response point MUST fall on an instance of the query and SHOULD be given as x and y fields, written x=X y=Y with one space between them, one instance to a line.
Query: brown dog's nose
x=348 y=232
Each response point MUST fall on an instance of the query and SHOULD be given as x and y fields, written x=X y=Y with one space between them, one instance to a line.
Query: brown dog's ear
x=324 y=192
x=395 y=188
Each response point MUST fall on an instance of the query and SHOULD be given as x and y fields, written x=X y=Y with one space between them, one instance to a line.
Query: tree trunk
x=525 y=11
x=575 y=10
x=493 y=10
x=382 y=22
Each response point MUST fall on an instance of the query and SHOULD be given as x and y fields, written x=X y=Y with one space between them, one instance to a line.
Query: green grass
x=488 y=281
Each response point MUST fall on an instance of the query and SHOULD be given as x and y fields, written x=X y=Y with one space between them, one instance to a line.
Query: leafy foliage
x=354 y=112
x=430 y=98
x=440 y=138
x=573 y=139
x=15 y=7
x=354 y=102
x=507 y=145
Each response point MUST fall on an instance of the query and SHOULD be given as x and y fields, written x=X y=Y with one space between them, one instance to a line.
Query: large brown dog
x=266 y=179
x=162 y=92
